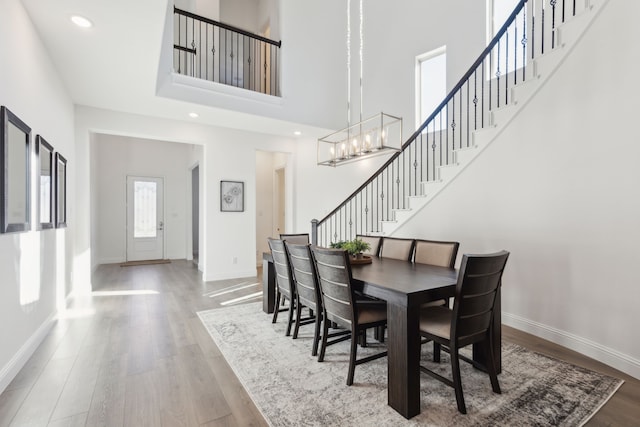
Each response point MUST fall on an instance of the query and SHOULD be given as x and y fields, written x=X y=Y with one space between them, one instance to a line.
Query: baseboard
x=111 y=260
x=608 y=356
x=17 y=362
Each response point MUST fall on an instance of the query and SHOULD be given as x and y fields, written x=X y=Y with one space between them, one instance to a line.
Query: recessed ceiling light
x=81 y=21
x=297 y=133
x=194 y=115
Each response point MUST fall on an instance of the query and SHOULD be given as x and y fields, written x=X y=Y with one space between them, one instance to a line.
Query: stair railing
x=529 y=31
x=221 y=53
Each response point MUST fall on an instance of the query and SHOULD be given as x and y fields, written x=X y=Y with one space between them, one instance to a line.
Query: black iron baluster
x=553 y=23
x=475 y=98
x=498 y=78
x=453 y=127
x=524 y=42
x=460 y=116
x=483 y=65
x=542 y=30
x=533 y=30
x=506 y=69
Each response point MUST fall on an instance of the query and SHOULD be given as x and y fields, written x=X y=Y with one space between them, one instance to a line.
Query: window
x=145 y=204
x=431 y=84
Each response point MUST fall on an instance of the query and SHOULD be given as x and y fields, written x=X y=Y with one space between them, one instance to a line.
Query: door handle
x=161 y=226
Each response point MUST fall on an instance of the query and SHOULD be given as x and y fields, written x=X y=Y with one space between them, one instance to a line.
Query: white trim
x=599 y=352
x=17 y=362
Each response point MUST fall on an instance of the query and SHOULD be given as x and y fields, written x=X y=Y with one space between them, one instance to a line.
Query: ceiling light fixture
x=297 y=133
x=376 y=135
x=194 y=115
x=81 y=21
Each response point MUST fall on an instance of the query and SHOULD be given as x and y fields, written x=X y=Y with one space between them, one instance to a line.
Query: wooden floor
x=136 y=354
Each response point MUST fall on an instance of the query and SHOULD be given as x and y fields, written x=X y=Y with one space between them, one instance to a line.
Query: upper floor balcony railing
x=217 y=52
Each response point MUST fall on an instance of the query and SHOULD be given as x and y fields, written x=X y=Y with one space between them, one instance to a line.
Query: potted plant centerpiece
x=354 y=247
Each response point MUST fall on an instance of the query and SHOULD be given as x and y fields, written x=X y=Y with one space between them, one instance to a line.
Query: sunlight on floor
x=242 y=299
x=123 y=293
x=231 y=289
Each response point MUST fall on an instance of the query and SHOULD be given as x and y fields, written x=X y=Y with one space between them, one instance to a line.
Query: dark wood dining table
x=404 y=286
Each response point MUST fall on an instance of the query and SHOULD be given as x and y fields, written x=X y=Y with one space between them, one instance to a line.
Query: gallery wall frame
x=61 y=191
x=15 y=179
x=45 y=181
x=231 y=196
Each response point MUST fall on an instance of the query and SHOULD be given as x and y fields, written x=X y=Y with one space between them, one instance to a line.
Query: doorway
x=145 y=218
x=279 y=202
x=195 y=214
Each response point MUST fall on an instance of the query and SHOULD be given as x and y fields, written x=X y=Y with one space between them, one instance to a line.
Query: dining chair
x=285 y=288
x=298 y=239
x=439 y=253
x=373 y=241
x=469 y=322
x=340 y=305
x=307 y=290
x=396 y=248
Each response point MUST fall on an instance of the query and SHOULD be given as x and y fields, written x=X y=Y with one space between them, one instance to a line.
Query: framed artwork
x=15 y=186
x=231 y=196
x=61 y=191
x=45 y=181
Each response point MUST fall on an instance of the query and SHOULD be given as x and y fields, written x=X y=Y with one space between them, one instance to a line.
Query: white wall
x=240 y=13
x=35 y=266
x=264 y=202
x=559 y=190
x=119 y=157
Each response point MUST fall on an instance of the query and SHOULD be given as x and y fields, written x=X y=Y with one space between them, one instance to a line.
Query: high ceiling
x=114 y=64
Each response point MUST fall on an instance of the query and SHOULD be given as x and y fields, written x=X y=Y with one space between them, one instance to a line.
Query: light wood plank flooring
x=136 y=354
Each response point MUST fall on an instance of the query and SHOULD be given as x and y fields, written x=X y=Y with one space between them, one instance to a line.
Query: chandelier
x=370 y=137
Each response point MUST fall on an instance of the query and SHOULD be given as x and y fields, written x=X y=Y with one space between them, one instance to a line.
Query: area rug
x=291 y=388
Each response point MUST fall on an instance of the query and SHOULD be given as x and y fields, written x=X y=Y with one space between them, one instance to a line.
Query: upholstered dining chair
x=307 y=290
x=340 y=305
x=433 y=252
x=373 y=241
x=469 y=322
x=285 y=287
x=396 y=248
x=298 y=239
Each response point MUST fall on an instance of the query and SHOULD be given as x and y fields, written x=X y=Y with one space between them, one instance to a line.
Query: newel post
x=314 y=232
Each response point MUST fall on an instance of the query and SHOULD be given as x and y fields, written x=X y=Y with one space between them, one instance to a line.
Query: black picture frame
x=231 y=196
x=45 y=182
x=61 y=191
x=15 y=179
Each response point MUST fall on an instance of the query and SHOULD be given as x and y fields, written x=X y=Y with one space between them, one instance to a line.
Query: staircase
x=526 y=51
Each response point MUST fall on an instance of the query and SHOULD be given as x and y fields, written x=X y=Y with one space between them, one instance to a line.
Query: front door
x=145 y=220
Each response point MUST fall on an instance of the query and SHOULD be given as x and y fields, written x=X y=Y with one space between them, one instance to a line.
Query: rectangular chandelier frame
x=377 y=135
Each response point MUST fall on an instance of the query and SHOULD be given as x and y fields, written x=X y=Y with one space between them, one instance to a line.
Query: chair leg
x=290 y=321
x=325 y=332
x=316 y=334
x=436 y=352
x=276 y=308
x=298 y=315
x=457 y=381
x=491 y=367
x=352 y=357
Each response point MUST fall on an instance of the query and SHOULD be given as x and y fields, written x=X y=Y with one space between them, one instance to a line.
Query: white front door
x=145 y=219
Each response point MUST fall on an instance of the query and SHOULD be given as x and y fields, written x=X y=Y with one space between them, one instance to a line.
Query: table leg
x=403 y=345
x=268 y=286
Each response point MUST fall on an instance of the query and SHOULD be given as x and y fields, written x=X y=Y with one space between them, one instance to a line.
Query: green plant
x=353 y=247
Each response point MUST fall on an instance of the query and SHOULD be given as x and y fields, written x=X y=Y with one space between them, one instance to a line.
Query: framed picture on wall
x=61 y=191
x=231 y=196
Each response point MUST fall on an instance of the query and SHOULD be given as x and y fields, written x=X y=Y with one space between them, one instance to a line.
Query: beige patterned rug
x=291 y=388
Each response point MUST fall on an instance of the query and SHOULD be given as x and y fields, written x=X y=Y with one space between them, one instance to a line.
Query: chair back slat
x=433 y=252
x=478 y=284
x=297 y=239
x=397 y=248
x=282 y=268
x=334 y=278
x=304 y=274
